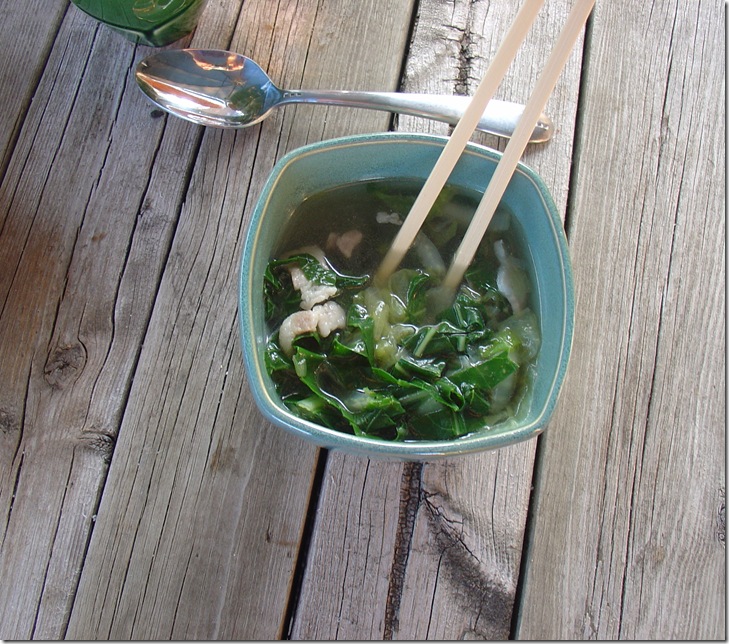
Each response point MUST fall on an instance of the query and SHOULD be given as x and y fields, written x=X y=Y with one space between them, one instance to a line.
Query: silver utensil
x=225 y=89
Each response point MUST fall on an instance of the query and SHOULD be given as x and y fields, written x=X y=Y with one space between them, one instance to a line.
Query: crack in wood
x=721 y=519
x=410 y=496
x=12 y=498
x=465 y=67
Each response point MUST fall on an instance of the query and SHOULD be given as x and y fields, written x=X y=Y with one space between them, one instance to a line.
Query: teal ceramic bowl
x=311 y=169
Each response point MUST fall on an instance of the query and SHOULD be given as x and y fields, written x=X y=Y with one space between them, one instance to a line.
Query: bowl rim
x=277 y=413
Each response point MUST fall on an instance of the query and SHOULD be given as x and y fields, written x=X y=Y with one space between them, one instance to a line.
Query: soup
x=382 y=361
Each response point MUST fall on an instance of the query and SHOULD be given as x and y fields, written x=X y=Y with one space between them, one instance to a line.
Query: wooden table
x=142 y=494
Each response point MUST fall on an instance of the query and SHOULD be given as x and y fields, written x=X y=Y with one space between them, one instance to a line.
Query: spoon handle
x=499 y=118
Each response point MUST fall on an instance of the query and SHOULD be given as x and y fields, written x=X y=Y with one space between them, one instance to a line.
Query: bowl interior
x=325 y=165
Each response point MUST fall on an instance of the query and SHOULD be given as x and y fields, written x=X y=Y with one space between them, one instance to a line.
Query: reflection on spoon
x=225 y=89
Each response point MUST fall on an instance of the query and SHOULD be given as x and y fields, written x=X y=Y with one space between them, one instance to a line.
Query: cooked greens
x=374 y=360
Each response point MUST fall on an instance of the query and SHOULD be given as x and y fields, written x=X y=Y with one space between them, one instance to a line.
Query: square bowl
x=322 y=166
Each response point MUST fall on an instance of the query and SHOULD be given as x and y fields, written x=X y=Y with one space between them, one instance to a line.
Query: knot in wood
x=477 y=580
x=9 y=422
x=100 y=442
x=64 y=365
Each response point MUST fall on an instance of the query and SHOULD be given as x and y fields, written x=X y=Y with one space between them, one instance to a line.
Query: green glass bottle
x=149 y=22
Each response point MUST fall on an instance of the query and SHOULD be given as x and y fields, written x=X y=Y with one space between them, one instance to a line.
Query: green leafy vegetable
x=396 y=371
x=443 y=380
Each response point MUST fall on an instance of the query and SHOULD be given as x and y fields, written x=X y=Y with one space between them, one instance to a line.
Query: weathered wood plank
x=200 y=522
x=81 y=249
x=628 y=537
x=347 y=578
x=42 y=220
x=27 y=30
x=445 y=536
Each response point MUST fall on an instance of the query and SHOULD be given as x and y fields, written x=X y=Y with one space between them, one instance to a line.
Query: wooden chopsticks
x=465 y=128
x=518 y=141
x=459 y=138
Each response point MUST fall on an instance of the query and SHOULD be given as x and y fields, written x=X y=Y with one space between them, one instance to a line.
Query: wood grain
x=142 y=495
x=54 y=455
x=27 y=42
x=202 y=515
x=447 y=534
x=626 y=538
x=83 y=243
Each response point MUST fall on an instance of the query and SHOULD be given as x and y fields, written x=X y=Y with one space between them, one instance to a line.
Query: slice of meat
x=311 y=293
x=345 y=243
x=323 y=318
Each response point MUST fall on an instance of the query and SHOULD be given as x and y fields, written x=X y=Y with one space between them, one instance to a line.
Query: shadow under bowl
x=321 y=166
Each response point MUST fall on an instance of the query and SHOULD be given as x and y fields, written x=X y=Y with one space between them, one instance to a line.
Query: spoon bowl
x=225 y=89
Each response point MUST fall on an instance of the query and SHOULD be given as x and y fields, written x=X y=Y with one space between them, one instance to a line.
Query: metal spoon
x=225 y=89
